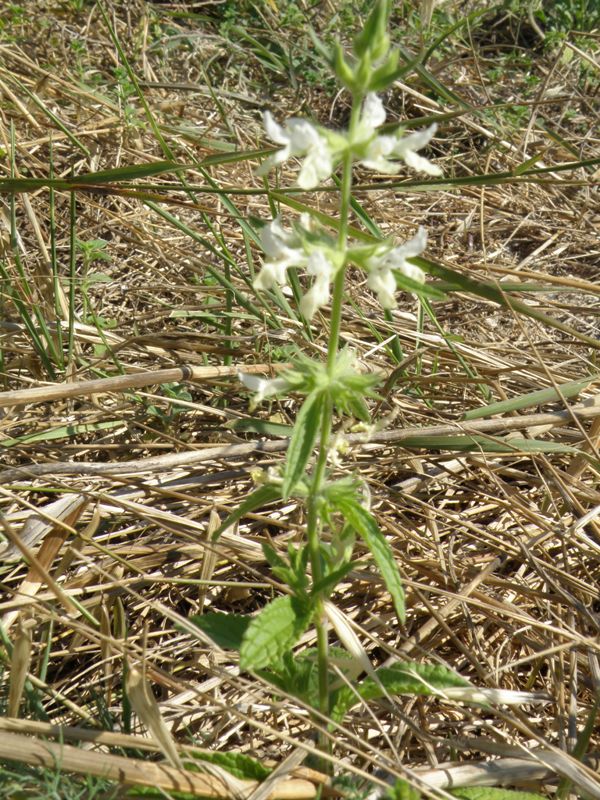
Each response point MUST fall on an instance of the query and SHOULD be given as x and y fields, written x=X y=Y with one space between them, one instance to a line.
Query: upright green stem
x=313 y=524
x=345 y=199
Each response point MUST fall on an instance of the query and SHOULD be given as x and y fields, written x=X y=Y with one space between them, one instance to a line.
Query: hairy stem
x=313 y=522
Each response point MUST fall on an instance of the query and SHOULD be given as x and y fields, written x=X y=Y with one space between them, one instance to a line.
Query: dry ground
x=498 y=544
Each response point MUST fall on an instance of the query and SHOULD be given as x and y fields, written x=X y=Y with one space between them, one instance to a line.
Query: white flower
x=317 y=166
x=377 y=155
x=377 y=150
x=383 y=283
x=262 y=387
x=286 y=249
x=372 y=116
x=299 y=138
x=319 y=293
x=283 y=249
x=277 y=242
x=382 y=264
x=405 y=149
x=322 y=149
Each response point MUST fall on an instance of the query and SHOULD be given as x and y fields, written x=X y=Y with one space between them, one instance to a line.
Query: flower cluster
x=299 y=138
x=385 y=261
x=323 y=149
x=319 y=257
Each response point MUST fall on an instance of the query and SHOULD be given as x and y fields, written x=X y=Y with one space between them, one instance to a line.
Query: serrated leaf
x=261 y=497
x=302 y=441
x=226 y=630
x=413 y=678
x=407 y=678
x=365 y=524
x=492 y=793
x=274 y=632
x=297 y=675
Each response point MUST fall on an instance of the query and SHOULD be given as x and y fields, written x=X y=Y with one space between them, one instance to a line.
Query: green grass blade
x=539 y=397
x=240 y=298
x=492 y=292
x=61 y=432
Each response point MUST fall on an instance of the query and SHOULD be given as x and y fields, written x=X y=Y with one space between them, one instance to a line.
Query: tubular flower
x=319 y=293
x=262 y=387
x=299 y=138
x=375 y=151
x=283 y=249
x=381 y=267
x=286 y=249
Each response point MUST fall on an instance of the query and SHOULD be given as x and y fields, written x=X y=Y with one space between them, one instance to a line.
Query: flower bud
x=373 y=40
x=342 y=68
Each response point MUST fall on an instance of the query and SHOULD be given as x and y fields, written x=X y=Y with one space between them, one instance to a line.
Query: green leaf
x=150 y=792
x=62 y=432
x=349 y=388
x=341 y=67
x=260 y=426
x=302 y=441
x=492 y=793
x=298 y=673
x=226 y=630
x=99 y=277
x=237 y=764
x=274 y=632
x=272 y=556
x=402 y=790
x=412 y=678
x=373 y=38
x=420 y=289
x=387 y=73
x=496 y=294
x=366 y=526
x=114 y=175
x=327 y=584
x=406 y=678
x=261 y=497
x=292 y=573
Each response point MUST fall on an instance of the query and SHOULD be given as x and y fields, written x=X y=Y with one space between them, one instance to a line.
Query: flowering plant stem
x=337 y=508
x=332 y=389
x=313 y=522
